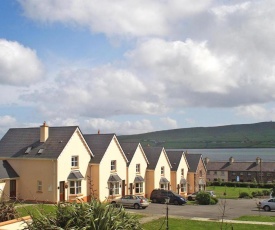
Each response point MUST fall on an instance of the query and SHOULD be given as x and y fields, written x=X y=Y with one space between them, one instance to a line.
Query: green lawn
x=182 y=224
x=27 y=210
x=231 y=192
x=257 y=218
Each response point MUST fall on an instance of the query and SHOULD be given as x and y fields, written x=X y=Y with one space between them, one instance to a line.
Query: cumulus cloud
x=120 y=18
x=169 y=123
x=19 y=65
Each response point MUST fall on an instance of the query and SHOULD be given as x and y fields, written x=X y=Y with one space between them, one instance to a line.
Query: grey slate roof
x=98 y=143
x=193 y=160
x=241 y=166
x=6 y=171
x=17 y=140
x=75 y=175
x=174 y=157
x=152 y=154
x=129 y=148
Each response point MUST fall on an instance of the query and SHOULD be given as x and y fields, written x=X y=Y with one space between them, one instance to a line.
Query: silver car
x=267 y=205
x=131 y=201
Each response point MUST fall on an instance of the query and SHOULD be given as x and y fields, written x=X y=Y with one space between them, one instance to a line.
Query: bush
x=94 y=215
x=257 y=193
x=266 y=192
x=244 y=195
x=7 y=212
x=203 y=198
x=213 y=200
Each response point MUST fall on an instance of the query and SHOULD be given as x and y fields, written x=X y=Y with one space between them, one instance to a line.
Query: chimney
x=206 y=160
x=44 y=132
x=258 y=160
x=231 y=160
x=98 y=131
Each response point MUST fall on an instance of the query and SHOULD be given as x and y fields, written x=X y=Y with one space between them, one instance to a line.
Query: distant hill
x=258 y=135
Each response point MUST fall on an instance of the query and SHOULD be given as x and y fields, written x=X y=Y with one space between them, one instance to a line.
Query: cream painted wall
x=138 y=158
x=167 y=170
x=113 y=152
x=30 y=171
x=182 y=164
x=75 y=147
x=4 y=191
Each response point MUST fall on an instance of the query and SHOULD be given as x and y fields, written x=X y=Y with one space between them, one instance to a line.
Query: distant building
x=241 y=171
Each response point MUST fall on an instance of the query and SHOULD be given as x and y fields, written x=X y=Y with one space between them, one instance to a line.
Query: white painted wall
x=167 y=170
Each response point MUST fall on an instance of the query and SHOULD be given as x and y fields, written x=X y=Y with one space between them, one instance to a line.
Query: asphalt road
x=232 y=209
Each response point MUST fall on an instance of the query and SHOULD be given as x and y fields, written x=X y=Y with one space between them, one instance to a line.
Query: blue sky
x=136 y=66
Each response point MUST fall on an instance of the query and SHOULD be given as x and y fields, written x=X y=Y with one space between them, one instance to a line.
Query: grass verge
x=257 y=218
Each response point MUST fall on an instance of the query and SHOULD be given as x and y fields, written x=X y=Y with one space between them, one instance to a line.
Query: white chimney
x=44 y=132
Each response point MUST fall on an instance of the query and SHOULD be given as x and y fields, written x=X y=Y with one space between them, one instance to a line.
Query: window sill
x=75 y=167
x=76 y=195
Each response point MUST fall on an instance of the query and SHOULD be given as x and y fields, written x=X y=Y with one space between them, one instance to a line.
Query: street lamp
x=167 y=202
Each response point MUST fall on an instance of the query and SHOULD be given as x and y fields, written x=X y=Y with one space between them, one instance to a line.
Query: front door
x=62 y=191
x=123 y=188
x=12 y=189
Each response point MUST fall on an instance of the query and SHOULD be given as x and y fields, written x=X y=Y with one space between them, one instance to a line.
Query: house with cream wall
x=136 y=168
x=51 y=163
x=179 y=171
x=108 y=167
x=158 y=171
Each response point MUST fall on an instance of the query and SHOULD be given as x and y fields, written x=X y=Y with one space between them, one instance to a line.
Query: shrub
x=93 y=216
x=7 y=211
x=266 y=192
x=213 y=200
x=244 y=195
x=257 y=193
x=203 y=198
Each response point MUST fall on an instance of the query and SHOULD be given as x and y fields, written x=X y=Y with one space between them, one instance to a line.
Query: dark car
x=160 y=196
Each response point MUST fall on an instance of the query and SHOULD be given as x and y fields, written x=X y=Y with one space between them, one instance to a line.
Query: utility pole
x=167 y=201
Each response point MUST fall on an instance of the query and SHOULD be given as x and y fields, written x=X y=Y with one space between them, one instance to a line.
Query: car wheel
x=266 y=208
x=136 y=206
x=190 y=198
x=176 y=202
x=144 y=207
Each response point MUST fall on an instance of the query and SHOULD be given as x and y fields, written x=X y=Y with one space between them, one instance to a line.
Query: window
x=215 y=172
x=183 y=187
x=39 y=186
x=28 y=150
x=162 y=170
x=208 y=172
x=75 y=187
x=222 y=173
x=74 y=162
x=241 y=173
x=137 y=168
x=233 y=173
x=200 y=173
x=114 y=188
x=139 y=187
x=164 y=186
x=269 y=174
x=113 y=165
x=182 y=172
x=248 y=174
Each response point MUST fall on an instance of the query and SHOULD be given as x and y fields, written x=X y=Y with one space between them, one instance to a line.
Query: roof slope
x=241 y=166
x=175 y=157
x=17 y=140
x=6 y=171
x=129 y=148
x=98 y=143
x=193 y=160
x=152 y=154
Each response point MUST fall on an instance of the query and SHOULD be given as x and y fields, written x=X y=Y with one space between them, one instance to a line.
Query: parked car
x=192 y=196
x=160 y=196
x=267 y=205
x=131 y=201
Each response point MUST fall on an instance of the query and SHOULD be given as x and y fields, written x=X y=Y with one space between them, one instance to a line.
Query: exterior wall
x=173 y=181
x=215 y=175
x=113 y=152
x=30 y=172
x=138 y=158
x=149 y=181
x=4 y=190
x=75 y=147
x=190 y=182
x=200 y=177
x=95 y=180
x=182 y=165
x=167 y=170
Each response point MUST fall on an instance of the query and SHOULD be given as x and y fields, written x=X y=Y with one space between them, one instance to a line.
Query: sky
x=136 y=66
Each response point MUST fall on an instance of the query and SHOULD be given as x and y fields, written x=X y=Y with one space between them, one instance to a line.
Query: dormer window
x=162 y=170
x=74 y=162
x=28 y=150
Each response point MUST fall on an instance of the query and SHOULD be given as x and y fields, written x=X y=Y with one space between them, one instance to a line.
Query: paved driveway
x=233 y=209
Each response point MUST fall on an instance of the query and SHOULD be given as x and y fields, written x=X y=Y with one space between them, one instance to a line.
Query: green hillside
x=259 y=135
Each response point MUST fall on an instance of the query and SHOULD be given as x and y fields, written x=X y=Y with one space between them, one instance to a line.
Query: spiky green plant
x=7 y=211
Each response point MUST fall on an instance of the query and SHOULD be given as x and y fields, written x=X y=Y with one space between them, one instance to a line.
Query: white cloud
x=169 y=123
x=257 y=112
x=19 y=65
x=122 y=18
x=7 y=122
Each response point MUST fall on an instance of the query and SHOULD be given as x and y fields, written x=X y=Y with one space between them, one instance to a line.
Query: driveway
x=232 y=209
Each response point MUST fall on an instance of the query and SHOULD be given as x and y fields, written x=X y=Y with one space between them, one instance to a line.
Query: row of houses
x=256 y=171
x=53 y=164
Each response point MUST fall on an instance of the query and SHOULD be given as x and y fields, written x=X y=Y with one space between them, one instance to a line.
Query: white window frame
x=182 y=172
x=183 y=188
x=137 y=168
x=113 y=165
x=114 y=188
x=74 y=161
x=75 y=187
x=162 y=170
x=139 y=187
x=164 y=185
x=39 y=186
